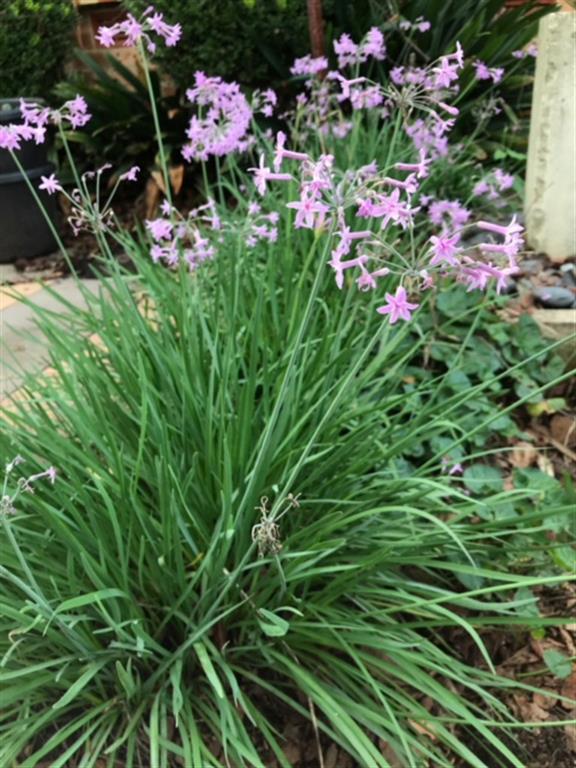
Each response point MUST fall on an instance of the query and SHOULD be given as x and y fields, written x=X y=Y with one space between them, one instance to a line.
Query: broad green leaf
x=274 y=625
x=530 y=609
x=558 y=663
x=481 y=478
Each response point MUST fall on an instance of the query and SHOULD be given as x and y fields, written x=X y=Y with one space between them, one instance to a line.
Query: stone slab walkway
x=22 y=350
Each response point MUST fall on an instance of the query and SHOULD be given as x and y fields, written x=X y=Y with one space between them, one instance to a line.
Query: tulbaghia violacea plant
x=160 y=609
x=358 y=209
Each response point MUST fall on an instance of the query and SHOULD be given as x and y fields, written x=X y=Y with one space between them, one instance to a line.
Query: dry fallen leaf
x=568 y=690
x=152 y=196
x=346 y=760
x=292 y=752
x=176 y=176
x=545 y=465
x=530 y=712
x=570 y=731
x=331 y=757
x=563 y=429
x=568 y=641
x=419 y=728
x=545 y=702
x=524 y=657
x=388 y=753
x=523 y=455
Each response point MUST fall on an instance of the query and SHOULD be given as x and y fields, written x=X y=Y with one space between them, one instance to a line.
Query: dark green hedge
x=35 y=39
x=251 y=41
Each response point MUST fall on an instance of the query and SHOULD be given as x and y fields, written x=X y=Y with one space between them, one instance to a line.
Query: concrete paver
x=22 y=349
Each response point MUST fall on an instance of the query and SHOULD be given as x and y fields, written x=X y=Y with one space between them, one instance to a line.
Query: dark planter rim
x=33 y=173
x=13 y=113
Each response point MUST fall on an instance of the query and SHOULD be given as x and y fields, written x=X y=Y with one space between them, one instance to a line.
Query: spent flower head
x=23 y=484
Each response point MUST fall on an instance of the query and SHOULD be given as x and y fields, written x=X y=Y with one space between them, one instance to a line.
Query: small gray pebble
x=555 y=297
x=470 y=240
x=530 y=266
x=510 y=288
x=568 y=275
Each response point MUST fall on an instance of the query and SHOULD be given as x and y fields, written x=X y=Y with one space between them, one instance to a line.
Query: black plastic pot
x=24 y=232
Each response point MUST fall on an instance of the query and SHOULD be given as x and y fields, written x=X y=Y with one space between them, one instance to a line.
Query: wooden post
x=316 y=27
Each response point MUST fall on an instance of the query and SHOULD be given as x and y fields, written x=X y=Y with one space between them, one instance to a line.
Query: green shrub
x=122 y=127
x=35 y=38
x=487 y=30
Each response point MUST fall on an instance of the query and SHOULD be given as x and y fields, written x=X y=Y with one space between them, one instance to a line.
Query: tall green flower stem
x=260 y=460
x=81 y=186
x=156 y=118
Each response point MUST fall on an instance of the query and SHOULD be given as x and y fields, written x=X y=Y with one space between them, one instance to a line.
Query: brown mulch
x=519 y=656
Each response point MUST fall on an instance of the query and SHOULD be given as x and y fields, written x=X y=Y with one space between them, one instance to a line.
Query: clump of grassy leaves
x=140 y=624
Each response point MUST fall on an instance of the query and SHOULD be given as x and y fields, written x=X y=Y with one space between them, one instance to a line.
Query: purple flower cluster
x=330 y=200
x=428 y=88
x=420 y=25
x=429 y=136
x=308 y=66
x=260 y=226
x=351 y=54
x=484 y=72
x=364 y=212
x=264 y=102
x=493 y=184
x=195 y=237
x=531 y=50
x=319 y=109
x=326 y=104
x=223 y=121
x=176 y=237
x=36 y=119
x=450 y=215
x=132 y=31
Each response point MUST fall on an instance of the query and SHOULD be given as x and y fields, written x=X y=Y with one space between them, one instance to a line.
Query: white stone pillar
x=550 y=204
